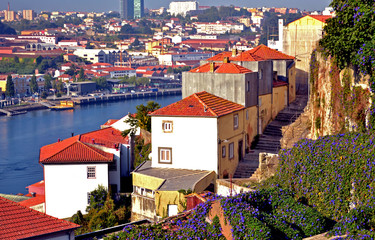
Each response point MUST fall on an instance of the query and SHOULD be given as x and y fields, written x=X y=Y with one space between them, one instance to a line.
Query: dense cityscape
x=188 y=122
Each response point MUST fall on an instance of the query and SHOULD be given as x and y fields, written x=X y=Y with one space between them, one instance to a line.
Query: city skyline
x=113 y=5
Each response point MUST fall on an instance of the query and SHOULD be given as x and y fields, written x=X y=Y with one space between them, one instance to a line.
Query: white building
x=44 y=38
x=277 y=45
x=170 y=58
x=76 y=166
x=218 y=28
x=117 y=72
x=100 y=55
x=182 y=8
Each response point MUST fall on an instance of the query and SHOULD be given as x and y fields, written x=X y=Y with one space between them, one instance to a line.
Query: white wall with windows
x=67 y=185
x=185 y=143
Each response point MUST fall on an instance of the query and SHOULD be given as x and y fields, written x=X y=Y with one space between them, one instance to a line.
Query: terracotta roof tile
x=267 y=53
x=220 y=56
x=221 y=68
x=322 y=18
x=77 y=152
x=202 y=104
x=21 y=222
x=107 y=137
x=110 y=122
x=39 y=199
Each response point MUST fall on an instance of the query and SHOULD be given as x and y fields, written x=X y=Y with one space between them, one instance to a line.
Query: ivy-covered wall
x=339 y=100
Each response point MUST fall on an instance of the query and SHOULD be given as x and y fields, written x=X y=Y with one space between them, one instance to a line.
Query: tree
x=101 y=83
x=349 y=36
x=70 y=71
x=33 y=85
x=9 y=87
x=81 y=76
x=47 y=82
x=141 y=119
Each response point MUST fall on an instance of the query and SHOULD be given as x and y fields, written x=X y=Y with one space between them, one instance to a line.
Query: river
x=22 y=136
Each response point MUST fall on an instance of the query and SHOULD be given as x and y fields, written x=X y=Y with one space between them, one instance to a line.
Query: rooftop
x=230 y=68
x=21 y=222
x=202 y=104
x=176 y=179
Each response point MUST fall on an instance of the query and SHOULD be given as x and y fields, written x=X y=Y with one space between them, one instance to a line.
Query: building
x=176 y=8
x=9 y=16
x=28 y=14
x=218 y=28
x=277 y=44
x=19 y=222
x=101 y=55
x=126 y=9
x=215 y=130
x=44 y=38
x=139 y=8
x=301 y=37
x=170 y=59
x=76 y=166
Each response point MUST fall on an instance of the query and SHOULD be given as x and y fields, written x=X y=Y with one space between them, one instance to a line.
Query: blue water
x=22 y=136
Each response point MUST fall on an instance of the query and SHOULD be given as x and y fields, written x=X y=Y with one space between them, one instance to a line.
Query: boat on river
x=64 y=105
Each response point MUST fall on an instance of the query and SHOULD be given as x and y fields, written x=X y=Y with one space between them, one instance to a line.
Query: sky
x=113 y=5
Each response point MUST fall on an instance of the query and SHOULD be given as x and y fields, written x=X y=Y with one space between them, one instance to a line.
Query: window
x=260 y=74
x=167 y=126
x=165 y=155
x=235 y=121
x=112 y=166
x=88 y=198
x=260 y=102
x=247 y=114
x=231 y=150
x=91 y=172
x=248 y=86
x=223 y=151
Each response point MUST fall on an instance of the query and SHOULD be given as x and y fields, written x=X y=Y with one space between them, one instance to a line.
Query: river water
x=22 y=136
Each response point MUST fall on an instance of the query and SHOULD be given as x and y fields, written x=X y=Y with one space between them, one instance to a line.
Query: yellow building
x=300 y=39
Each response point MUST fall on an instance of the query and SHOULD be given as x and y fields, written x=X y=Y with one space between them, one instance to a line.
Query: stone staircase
x=269 y=141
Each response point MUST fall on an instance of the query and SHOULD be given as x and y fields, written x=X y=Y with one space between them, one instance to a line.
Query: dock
x=10 y=113
x=124 y=96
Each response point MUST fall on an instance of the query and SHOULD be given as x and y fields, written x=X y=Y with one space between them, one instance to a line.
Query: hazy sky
x=107 y=5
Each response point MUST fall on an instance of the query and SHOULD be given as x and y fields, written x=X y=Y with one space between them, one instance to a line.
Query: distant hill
x=5 y=29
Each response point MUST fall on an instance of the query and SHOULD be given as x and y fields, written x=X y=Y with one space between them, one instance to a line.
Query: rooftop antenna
x=8 y=7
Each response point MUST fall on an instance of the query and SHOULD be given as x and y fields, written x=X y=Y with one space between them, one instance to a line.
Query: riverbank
x=19 y=109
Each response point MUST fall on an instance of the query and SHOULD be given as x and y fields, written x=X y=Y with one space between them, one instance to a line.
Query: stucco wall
x=164 y=198
x=193 y=142
x=228 y=86
x=146 y=181
x=143 y=208
x=66 y=187
x=300 y=39
x=228 y=135
x=279 y=99
x=265 y=113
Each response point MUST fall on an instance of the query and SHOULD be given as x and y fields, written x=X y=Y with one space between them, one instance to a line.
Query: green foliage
x=5 y=29
x=9 y=91
x=359 y=223
x=332 y=173
x=47 y=82
x=103 y=212
x=34 y=88
x=141 y=152
x=28 y=65
x=271 y=214
x=185 y=192
x=44 y=95
x=101 y=83
x=349 y=36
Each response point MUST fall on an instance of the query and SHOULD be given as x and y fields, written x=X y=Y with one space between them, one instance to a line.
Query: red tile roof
x=322 y=18
x=267 y=53
x=202 y=104
x=279 y=83
x=80 y=148
x=39 y=199
x=21 y=222
x=76 y=152
x=259 y=53
x=110 y=122
x=221 y=68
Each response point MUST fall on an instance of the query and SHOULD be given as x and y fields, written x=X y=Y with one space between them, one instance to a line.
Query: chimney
x=58 y=140
x=212 y=67
x=226 y=59
x=234 y=51
x=93 y=141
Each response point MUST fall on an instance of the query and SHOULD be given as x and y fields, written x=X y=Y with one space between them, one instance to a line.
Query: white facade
x=218 y=28
x=67 y=187
x=278 y=45
x=192 y=141
x=170 y=59
x=43 y=38
x=182 y=8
